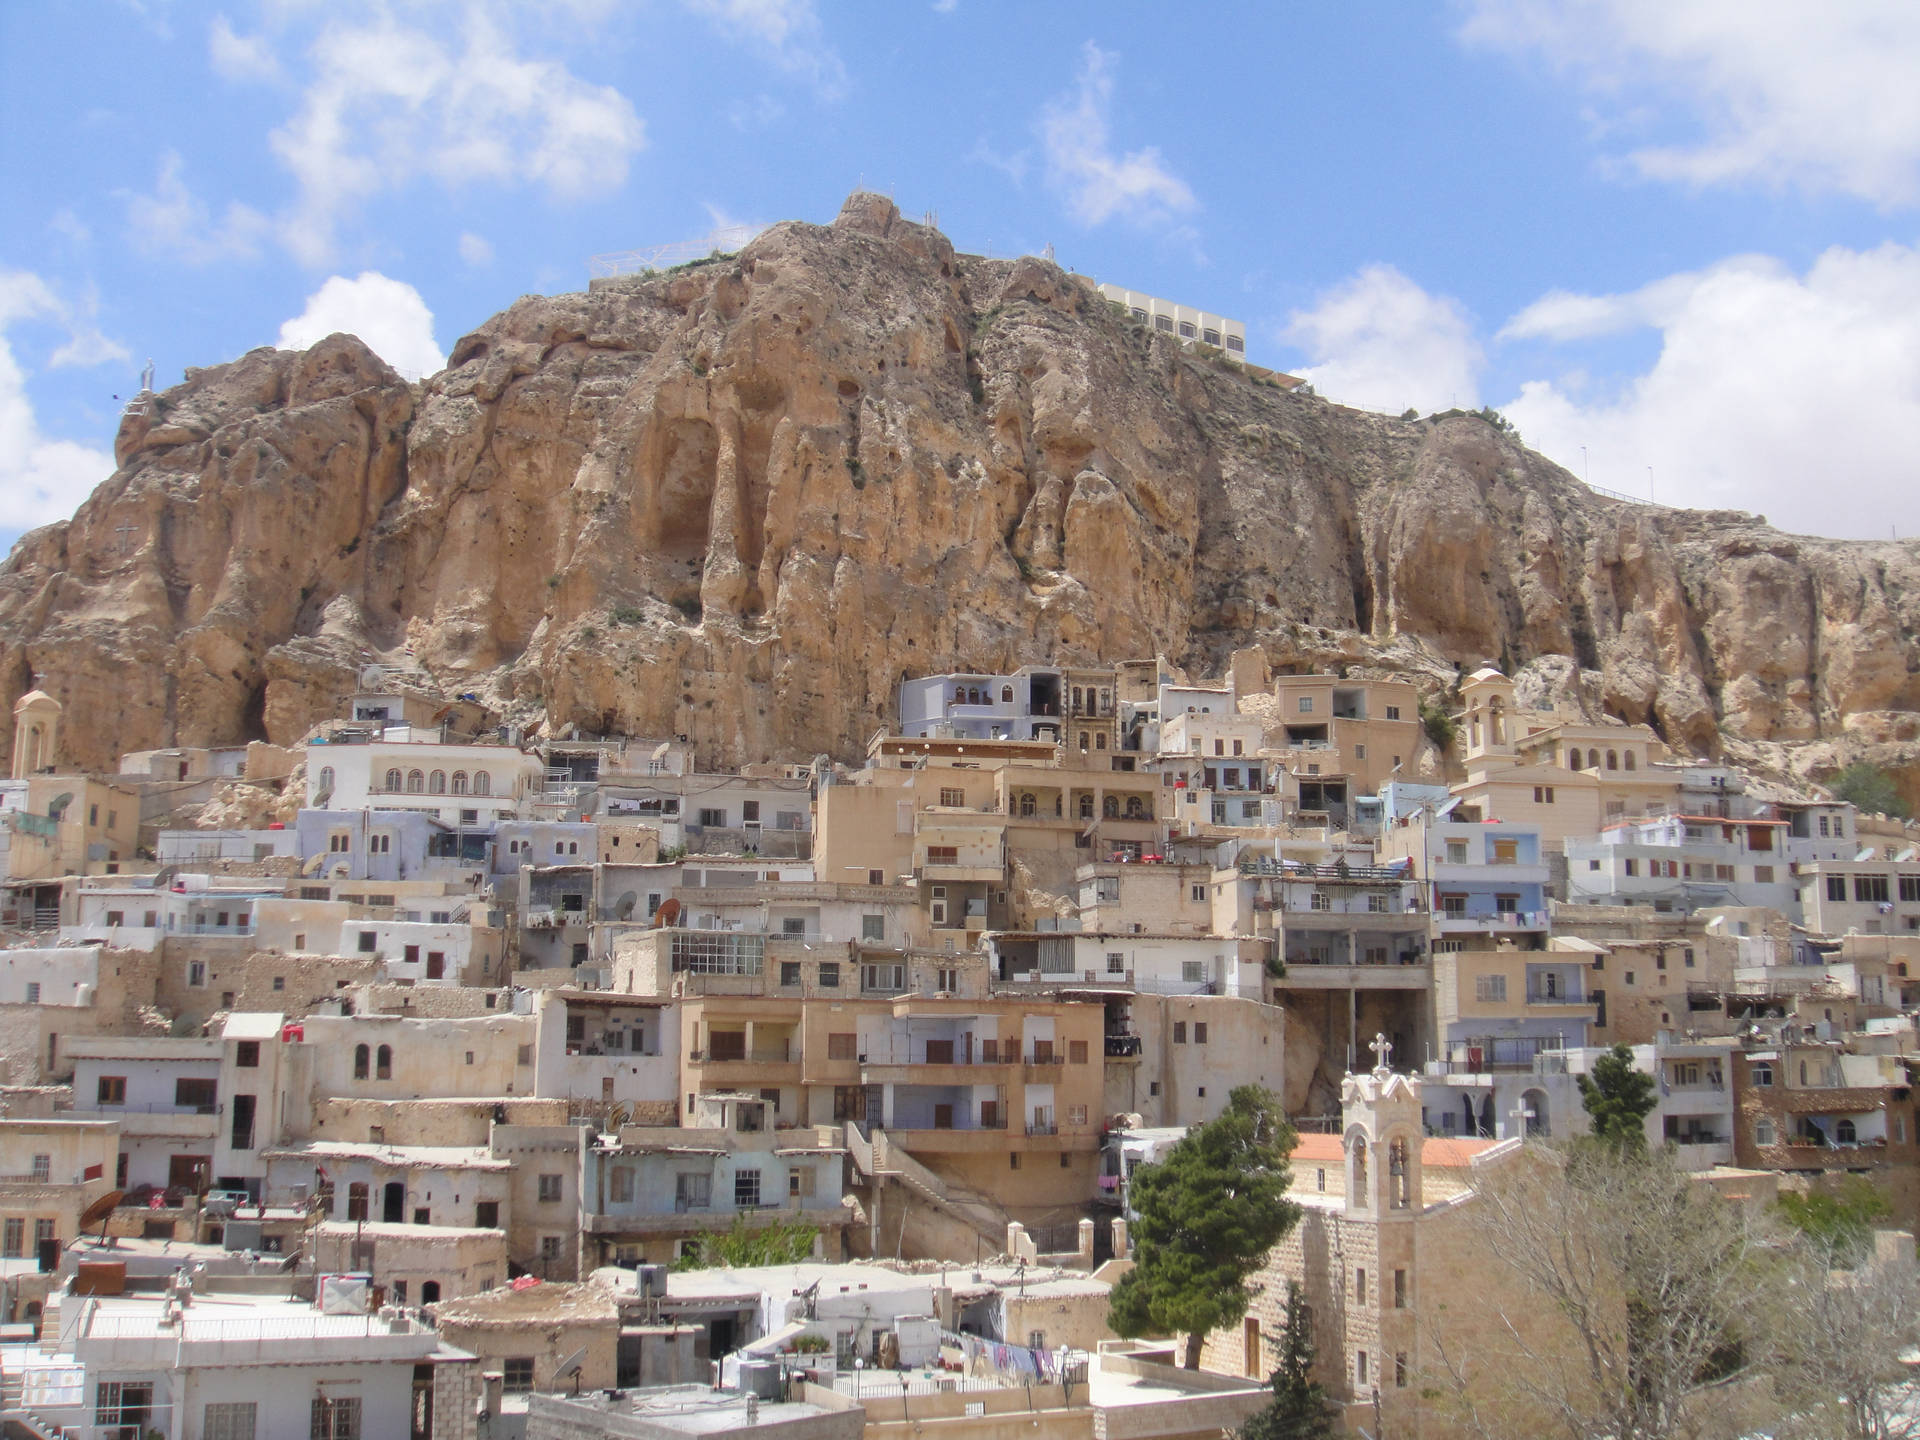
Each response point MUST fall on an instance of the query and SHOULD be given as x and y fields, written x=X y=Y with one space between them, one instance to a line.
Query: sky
x=1675 y=242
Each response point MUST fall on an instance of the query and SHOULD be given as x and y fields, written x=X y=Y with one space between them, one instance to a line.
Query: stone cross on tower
x=1382 y=1049
x=1520 y=1115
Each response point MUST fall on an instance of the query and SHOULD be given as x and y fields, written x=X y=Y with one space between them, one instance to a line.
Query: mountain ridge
x=782 y=479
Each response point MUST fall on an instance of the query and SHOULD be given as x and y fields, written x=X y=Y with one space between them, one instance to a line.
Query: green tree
x=1299 y=1409
x=1869 y=788
x=1618 y=1099
x=1205 y=1218
x=785 y=1242
x=1839 y=1223
x=1442 y=729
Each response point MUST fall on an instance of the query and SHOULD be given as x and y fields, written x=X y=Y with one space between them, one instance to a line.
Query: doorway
x=393 y=1203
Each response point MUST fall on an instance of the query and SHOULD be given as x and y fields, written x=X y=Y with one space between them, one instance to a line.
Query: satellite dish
x=661 y=750
x=623 y=907
x=616 y=1117
x=100 y=1210
x=571 y=1366
x=372 y=677
x=668 y=913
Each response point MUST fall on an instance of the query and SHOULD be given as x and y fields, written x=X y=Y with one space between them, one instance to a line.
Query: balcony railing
x=1554 y=997
x=1042 y=1127
x=1123 y=1045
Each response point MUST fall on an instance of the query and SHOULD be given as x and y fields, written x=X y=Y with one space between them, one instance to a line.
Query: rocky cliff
x=738 y=501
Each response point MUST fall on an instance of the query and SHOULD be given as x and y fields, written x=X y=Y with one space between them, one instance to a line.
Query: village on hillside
x=460 y=1072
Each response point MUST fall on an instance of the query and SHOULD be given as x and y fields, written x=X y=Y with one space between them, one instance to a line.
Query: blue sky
x=1674 y=242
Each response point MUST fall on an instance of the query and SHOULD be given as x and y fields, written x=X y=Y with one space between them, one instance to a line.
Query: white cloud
x=945 y=7
x=173 y=221
x=1379 y=341
x=390 y=102
x=476 y=250
x=41 y=479
x=787 y=31
x=1782 y=92
x=1096 y=182
x=240 y=57
x=755 y=114
x=1793 y=396
x=388 y=314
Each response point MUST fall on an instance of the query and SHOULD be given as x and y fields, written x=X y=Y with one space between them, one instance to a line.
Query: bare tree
x=1618 y=1295
x=1839 y=1335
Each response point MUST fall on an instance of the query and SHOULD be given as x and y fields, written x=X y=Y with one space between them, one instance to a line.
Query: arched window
x=1613 y=760
x=416 y=782
x=1763 y=1076
x=973 y=694
x=1086 y=807
x=1398 y=1179
x=360 y=1058
x=482 y=783
x=1104 y=703
x=1573 y=757
x=429 y=1291
x=1357 y=1186
x=1110 y=807
x=459 y=782
x=393 y=780
x=1845 y=1133
x=1076 y=699
x=1135 y=811
x=959 y=694
x=326 y=778
x=1026 y=805
x=1629 y=760
x=1539 y=1123
x=383 y=1063
x=437 y=783
x=1006 y=694
x=1099 y=742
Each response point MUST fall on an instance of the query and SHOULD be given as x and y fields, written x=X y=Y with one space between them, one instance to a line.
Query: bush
x=628 y=615
x=1869 y=788
x=1442 y=729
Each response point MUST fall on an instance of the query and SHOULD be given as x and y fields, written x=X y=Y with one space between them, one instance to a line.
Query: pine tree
x=1299 y=1409
x=1205 y=1218
x=1618 y=1098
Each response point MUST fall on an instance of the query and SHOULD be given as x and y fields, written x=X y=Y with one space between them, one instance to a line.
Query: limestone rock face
x=740 y=500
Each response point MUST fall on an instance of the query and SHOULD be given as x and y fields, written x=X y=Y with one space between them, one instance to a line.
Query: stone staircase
x=879 y=1159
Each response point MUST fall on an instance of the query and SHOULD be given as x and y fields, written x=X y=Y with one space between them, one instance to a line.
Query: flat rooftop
x=692 y=1409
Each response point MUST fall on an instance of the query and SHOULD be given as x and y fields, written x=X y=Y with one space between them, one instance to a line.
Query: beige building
x=1364 y=730
x=50 y=1172
x=414 y=1264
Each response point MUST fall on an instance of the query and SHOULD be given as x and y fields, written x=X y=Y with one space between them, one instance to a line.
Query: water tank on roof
x=651 y=1280
x=761 y=1378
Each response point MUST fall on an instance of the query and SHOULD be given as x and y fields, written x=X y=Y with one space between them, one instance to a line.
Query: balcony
x=1123 y=1047
x=1556 y=997
x=1492 y=922
x=1338 y=975
x=1041 y=1127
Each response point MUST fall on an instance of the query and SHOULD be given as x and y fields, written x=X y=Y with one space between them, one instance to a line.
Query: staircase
x=879 y=1159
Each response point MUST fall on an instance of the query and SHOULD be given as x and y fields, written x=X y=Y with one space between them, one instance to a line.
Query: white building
x=233 y=1365
x=1183 y=322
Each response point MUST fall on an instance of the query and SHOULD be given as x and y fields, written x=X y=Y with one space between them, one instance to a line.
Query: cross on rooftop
x=1382 y=1049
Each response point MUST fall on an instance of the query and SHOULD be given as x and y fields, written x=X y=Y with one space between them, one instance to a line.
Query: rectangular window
x=1393 y=712
x=1763 y=875
x=1400 y=1370
x=873 y=927
x=486 y=1214
x=201 y=1095
x=228 y=1420
x=518 y=1373
x=1836 y=887
x=246 y=1054
x=1306 y=704
x=1453 y=907
x=1490 y=988
x=1116 y=962
x=953 y=799
x=840 y=1045
x=790 y=971
x=746 y=1189
x=715 y=819
x=620 y=1184
x=549 y=1189
x=829 y=975
x=1179 y=1032
x=1399 y=1289
x=1320 y=900
x=1077 y=1050
x=42 y=1169
x=552 y=1246
x=1376 y=904
x=1910 y=888
x=1199 y=1032
x=368 y=941
x=1360 y=1285
x=14 y=1245
x=1871 y=889
x=128 y=1403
